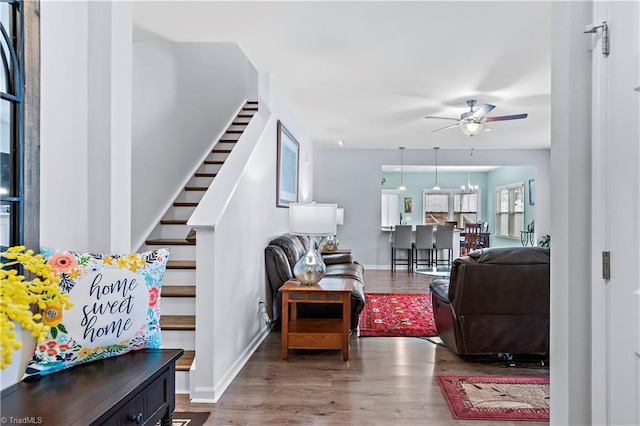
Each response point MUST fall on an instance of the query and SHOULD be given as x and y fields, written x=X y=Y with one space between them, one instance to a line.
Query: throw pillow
x=116 y=308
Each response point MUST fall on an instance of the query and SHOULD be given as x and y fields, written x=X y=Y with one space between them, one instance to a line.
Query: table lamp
x=311 y=220
x=331 y=241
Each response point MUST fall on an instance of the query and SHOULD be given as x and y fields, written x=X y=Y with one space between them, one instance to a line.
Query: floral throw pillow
x=116 y=308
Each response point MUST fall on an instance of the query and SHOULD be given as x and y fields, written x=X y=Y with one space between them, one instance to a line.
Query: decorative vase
x=310 y=268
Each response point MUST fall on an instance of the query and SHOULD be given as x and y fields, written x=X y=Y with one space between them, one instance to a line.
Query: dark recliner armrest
x=335 y=258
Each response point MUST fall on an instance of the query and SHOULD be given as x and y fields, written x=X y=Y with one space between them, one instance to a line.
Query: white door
x=616 y=216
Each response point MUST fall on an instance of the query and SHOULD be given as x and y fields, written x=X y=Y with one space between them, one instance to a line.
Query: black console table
x=134 y=388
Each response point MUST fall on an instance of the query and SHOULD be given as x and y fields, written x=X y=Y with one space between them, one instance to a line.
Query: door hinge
x=606 y=265
x=589 y=29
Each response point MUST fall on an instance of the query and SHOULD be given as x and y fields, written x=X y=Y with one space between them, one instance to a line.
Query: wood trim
x=31 y=70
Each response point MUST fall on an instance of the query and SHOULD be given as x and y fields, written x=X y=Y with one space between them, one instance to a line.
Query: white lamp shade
x=313 y=219
x=472 y=128
x=340 y=216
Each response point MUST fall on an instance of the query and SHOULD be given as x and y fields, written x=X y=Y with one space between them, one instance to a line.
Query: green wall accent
x=488 y=181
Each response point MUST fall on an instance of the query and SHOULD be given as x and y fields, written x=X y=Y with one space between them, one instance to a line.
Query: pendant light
x=469 y=188
x=402 y=187
x=435 y=185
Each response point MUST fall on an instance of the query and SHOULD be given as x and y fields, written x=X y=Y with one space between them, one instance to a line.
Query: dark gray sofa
x=282 y=253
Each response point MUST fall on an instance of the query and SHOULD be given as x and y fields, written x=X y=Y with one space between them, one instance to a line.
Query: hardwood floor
x=387 y=380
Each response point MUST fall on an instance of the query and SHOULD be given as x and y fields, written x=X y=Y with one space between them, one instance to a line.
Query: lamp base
x=310 y=268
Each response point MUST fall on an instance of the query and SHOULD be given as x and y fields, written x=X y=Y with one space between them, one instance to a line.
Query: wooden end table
x=316 y=333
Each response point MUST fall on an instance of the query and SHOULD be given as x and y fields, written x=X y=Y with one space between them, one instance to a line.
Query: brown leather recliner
x=495 y=301
x=281 y=255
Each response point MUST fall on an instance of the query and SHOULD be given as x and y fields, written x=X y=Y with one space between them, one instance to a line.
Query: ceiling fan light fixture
x=472 y=128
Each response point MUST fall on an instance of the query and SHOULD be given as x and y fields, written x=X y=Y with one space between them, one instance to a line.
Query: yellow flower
x=17 y=296
x=122 y=263
x=107 y=261
x=52 y=314
x=74 y=274
x=84 y=352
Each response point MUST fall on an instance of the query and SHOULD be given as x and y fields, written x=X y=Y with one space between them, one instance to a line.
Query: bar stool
x=444 y=241
x=402 y=236
x=424 y=242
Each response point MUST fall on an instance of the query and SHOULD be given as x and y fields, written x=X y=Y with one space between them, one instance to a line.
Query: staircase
x=178 y=321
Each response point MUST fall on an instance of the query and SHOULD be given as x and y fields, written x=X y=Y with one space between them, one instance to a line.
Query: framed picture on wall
x=288 y=165
x=408 y=205
x=532 y=192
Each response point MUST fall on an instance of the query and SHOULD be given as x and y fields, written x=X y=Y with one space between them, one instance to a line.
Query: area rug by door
x=187 y=418
x=397 y=315
x=497 y=398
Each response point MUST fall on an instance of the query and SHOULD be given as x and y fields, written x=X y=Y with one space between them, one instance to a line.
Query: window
x=442 y=206
x=510 y=210
x=389 y=210
x=19 y=104
x=465 y=208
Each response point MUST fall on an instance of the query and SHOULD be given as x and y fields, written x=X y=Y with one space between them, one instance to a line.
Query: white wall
x=351 y=178
x=184 y=95
x=84 y=132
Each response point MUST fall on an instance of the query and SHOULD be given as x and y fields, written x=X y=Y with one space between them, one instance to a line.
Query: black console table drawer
x=135 y=388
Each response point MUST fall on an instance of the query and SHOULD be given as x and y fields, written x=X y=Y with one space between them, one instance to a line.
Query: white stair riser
x=179 y=275
x=183 y=213
x=178 y=252
x=174 y=231
x=184 y=339
x=230 y=136
x=237 y=126
x=182 y=382
x=210 y=168
x=218 y=156
x=190 y=196
x=201 y=181
x=225 y=145
x=178 y=305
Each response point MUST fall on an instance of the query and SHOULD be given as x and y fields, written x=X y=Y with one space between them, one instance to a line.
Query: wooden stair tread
x=185 y=204
x=169 y=242
x=240 y=123
x=196 y=188
x=206 y=174
x=245 y=115
x=228 y=140
x=250 y=108
x=213 y=161
x=178 y=322
x=181 y=264
x=173 y=221
x=178 y=291
x=235 y=131
x=184 y=362
x=221 y=151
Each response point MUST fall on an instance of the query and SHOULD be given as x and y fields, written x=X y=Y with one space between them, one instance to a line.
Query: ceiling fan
x=473 y=121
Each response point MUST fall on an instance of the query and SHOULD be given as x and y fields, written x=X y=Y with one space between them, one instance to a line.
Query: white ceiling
x=368 y=72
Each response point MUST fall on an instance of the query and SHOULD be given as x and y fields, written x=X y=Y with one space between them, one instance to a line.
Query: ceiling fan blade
x=507 y=117
x=483 y=110
x=447 y=127
x=442 y=118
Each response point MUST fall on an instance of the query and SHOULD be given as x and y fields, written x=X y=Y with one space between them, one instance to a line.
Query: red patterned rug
x=497 y=398
x=397 y=315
